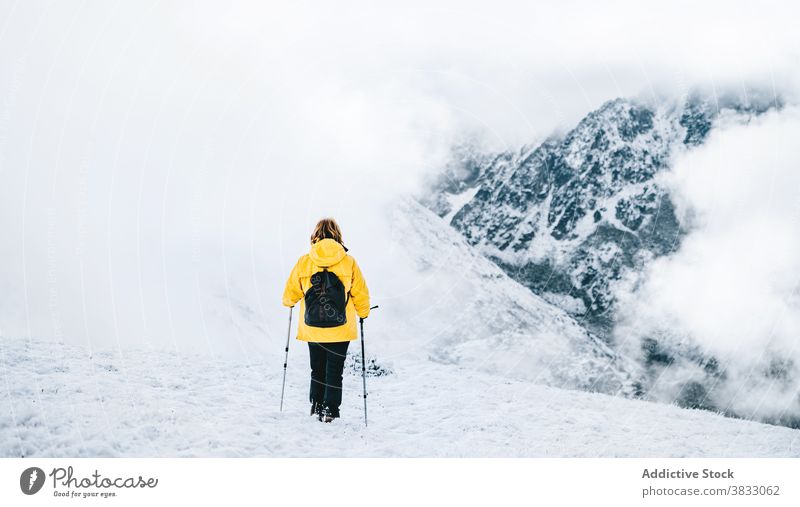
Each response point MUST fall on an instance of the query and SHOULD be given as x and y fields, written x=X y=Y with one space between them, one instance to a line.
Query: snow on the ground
x=63 y=401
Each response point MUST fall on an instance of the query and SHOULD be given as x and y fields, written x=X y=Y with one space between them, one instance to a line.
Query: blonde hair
x=327 y=228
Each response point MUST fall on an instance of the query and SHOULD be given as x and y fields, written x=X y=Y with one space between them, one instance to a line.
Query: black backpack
x=326 y=301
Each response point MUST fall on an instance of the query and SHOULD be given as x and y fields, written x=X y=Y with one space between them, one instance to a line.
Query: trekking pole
x=364 y=368
x=286 y=357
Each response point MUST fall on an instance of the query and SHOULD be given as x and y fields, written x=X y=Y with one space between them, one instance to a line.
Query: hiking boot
x=316 y=408
x=327 y=415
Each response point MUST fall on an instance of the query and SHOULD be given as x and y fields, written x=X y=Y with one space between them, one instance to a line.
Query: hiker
x=332 y=294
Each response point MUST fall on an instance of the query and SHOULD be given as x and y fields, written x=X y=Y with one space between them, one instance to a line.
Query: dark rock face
x=696 y=119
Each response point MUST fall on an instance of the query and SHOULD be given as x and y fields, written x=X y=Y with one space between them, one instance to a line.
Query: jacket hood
x=327 y=252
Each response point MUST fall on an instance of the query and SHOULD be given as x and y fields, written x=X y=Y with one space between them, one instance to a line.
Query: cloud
x=731 y=291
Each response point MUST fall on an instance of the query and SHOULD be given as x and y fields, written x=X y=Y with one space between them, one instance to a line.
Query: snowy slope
x=460 y=308
x=62 y=401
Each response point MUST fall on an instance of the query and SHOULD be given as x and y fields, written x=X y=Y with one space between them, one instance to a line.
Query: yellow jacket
x=329 y=254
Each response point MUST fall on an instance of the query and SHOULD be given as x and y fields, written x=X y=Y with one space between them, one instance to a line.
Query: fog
x=731 y=290
x=163 y=164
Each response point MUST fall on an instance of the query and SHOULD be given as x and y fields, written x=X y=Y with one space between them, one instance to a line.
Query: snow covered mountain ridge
x=567 y=217
x=578 y=217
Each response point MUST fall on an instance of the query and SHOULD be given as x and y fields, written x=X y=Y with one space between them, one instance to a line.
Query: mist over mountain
x=581 y=218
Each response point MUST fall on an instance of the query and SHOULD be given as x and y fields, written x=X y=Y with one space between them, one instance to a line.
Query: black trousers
x=327 y=365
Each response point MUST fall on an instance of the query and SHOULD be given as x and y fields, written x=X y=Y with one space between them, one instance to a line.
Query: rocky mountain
x=572 y=217
x=569 y=217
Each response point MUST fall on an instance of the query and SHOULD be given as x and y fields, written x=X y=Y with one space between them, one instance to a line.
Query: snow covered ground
x=63 y=401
